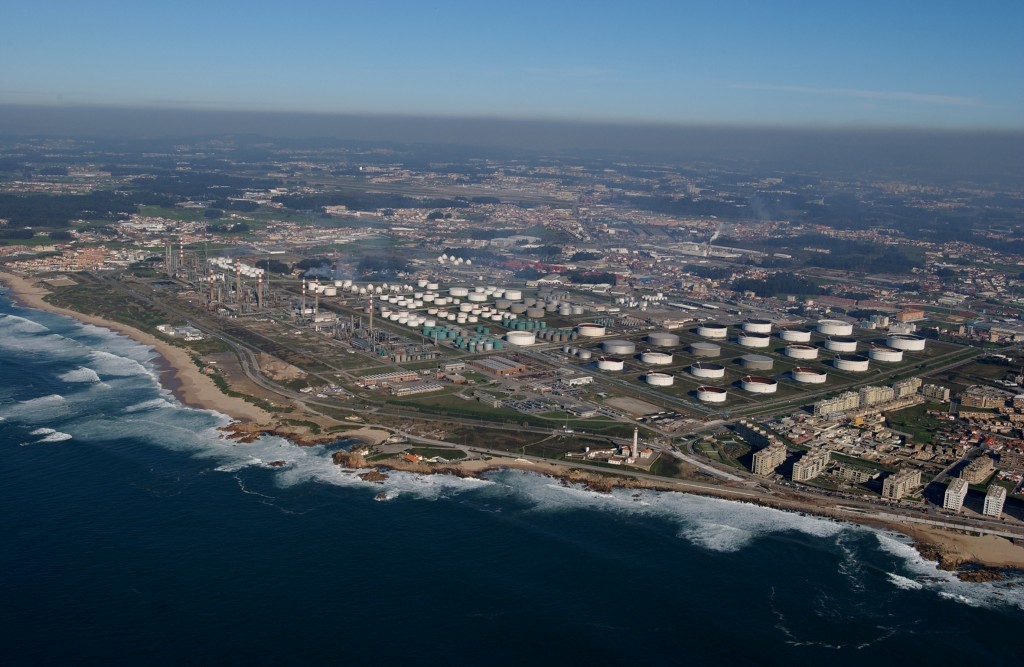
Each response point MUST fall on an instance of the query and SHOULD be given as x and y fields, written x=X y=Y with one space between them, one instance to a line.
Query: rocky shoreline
x=942 y=547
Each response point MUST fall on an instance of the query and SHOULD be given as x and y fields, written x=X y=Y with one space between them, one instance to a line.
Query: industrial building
x=499 y=366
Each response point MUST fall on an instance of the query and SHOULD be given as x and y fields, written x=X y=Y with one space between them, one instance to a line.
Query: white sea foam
x=108 y=364
x=56 y=436
x=80 y=374
x=152 y=404
x=35 y=410
x=946 y=584
x=42 y=431
x=13 y=324
x=905 y=583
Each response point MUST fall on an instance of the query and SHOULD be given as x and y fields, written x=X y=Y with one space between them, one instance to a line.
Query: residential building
x=901 y=483
x=935 y=392
x=768 y=459
x=994 y=500
x=955 y=494
x=811 y=465
x=848 y=400
x=978 y=470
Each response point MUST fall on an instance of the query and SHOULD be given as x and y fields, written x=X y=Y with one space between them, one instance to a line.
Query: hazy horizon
x=977 y=153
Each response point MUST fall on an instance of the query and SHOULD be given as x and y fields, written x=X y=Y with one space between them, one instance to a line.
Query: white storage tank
x=754 y=339
x=885 y=353
x=835 y=328
x=798 y=351
x=663 y=339
x=618 y=347
x=521 y=338
x=535 y=313
x=513 y=294
x=477 y=297
x=591 y=330
x=908 y=342
x=659 y=379
x=712 y=330
x=710 y=394
x=759 y=384
x=610 y=364
x=656 y=358
x=585 y=354
x=757 y=326
x=704 y=349
x=851 y=362
x=756 y=362
x=840 y=344
x=459 y=291
x=706 y=369
x=796 y=335
x=808 y=375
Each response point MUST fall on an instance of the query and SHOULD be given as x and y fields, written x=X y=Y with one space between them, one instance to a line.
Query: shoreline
x=178 y=374
x=176 y=371
x=972 y=558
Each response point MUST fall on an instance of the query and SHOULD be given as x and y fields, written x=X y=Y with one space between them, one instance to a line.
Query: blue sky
x=897 y=63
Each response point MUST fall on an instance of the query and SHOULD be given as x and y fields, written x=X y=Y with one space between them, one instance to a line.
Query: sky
x=901 y=63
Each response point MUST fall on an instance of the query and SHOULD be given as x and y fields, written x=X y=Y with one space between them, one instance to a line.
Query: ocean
x=134 y=534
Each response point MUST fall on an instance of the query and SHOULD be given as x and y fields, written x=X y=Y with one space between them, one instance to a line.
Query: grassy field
x=915 y=421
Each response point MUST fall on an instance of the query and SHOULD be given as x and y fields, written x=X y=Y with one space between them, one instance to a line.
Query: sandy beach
x=178 y=372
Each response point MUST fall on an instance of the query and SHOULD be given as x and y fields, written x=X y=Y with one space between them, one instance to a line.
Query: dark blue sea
x=131 y=533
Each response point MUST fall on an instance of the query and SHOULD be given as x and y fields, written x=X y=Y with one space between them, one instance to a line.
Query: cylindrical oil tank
x=885 y=353
x=840 y=344
x=578 y=310
x=591 y=330
x=521 y=337
x=711 y=394
x=712 y=330
x=703 y=349
x=656 y=358
x=808 y=375
x=851 y=362
x=759 y=384
x=835 y=328
x=585 y=354
x=518 y=308
x=465 y=307
x=706 y=369
x=502 y=304
x=798 y=351
x=795 y=335
x=663 y=339
x=659 y=379
x=754 y=339
x=756 y=362
x=551 y=307
x=565 y=311
x=610 y=364
x=330 y=290
x=757 y=326
x=459 y=291
x=477 y=297
x=535 y=313
x=908 y=342
x=618 y=347
x=513 y=294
